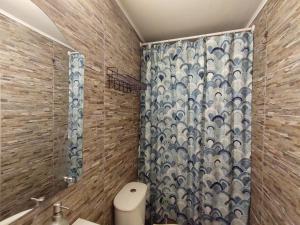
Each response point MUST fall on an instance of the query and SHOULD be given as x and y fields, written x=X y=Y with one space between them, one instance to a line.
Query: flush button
x=132 y=190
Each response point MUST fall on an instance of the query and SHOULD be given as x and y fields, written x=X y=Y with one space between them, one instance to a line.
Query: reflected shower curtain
x=195 y=140
x=75 y=118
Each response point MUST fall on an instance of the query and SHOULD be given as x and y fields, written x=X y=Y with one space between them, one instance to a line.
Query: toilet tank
x=130 y=204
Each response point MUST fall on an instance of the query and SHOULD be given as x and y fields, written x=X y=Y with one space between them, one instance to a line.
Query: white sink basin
x=14 y=217
x=83 y=222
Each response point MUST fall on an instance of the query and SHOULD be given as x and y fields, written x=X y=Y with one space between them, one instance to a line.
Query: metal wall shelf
x=123 y=82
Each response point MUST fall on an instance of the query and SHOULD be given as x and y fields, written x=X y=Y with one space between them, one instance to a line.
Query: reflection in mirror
x=41 y=117
x=75 y=122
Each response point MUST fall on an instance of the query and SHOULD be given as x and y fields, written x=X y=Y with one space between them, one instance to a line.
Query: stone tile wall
x=100 y=31
x=276 y=115
x=34 y=115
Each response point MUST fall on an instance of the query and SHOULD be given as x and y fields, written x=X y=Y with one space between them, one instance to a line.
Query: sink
x=14 y=217
x=83 y=222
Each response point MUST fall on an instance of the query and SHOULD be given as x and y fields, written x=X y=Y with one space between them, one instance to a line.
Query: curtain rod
x=202 y=35
x=70 y=53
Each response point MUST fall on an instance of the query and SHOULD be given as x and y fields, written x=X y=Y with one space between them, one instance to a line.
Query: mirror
x=42 y=87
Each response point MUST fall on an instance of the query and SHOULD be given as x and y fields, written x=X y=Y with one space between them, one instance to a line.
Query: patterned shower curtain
x=195 y=140
x=75 y=118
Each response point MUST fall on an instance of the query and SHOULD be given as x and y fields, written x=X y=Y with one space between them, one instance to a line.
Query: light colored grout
x=281 y=115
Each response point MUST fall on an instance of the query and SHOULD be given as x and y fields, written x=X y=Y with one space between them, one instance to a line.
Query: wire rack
x=123 y=82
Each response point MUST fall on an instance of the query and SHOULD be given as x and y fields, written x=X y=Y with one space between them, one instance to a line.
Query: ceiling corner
x=130 y=21
x=256 y=12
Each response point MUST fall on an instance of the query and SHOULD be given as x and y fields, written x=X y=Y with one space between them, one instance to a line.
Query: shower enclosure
x=195 y=143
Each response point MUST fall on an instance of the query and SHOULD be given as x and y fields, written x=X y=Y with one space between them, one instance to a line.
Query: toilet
x=130 y=204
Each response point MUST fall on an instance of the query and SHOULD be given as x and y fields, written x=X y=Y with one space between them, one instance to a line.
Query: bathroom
x=136 y=112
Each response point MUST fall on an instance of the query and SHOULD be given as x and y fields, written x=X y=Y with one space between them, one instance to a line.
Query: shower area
x=195 y=141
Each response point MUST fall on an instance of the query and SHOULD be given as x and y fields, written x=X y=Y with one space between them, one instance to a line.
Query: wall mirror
x=42 y=81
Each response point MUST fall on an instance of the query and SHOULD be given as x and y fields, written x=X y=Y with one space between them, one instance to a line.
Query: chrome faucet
x=69 y=180
x=38 y=201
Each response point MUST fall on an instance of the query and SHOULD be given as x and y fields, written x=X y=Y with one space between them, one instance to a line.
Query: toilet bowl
x=130 y=204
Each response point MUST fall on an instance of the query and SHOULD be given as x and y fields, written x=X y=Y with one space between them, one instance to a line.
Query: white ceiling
x=28 y=14
x=156 y=20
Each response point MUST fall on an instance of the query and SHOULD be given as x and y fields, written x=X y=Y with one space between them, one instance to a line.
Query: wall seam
x=265 y=111
x=53 y=121
x=259 y=9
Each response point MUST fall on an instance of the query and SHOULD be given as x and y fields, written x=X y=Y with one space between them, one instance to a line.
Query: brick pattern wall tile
x=33 y=115
x=100 y=31
x=275 y=196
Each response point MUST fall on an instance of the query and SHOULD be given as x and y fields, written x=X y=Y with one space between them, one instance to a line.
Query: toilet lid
x=131 y=195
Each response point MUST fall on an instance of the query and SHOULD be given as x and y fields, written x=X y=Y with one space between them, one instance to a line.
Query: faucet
x=69 y=180
x=38 y=201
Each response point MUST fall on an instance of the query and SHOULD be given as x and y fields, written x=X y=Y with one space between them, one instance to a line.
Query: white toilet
x=130 y=204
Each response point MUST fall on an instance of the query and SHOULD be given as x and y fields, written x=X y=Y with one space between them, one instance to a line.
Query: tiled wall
x=100 y=31
x=276 y=115
x=34 y=115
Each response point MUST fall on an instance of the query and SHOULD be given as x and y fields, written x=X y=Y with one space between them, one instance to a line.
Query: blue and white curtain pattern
x=75 y=119
x=195 y=140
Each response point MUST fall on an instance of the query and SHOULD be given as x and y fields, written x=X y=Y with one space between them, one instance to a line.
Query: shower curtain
x=75 y=117
x=195 y=142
